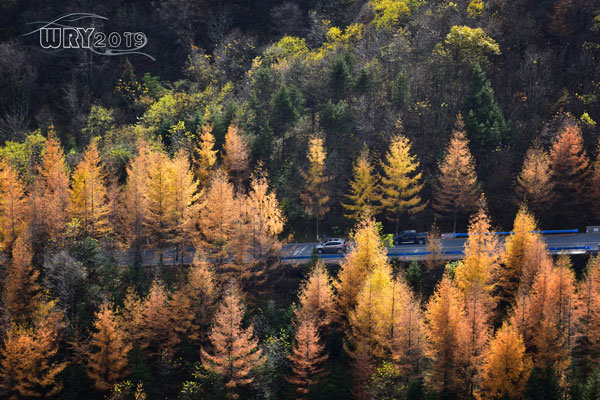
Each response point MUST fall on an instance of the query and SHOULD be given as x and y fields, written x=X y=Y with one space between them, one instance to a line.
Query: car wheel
x=421 y=241
x=396 y=243
x=320 y=251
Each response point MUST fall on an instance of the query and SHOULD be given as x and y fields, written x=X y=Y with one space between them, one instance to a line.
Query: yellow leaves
x=315 y=196
x=469 y=45
x=364 y=190
x=367 y=255
x=475 y=8
x=12 y=206
x=534 y=184
x=316 y=297
x=401 y=181
x=88 y=194
x=206 y=155
x=236 y=158
x=507 y=366
x=390 y=13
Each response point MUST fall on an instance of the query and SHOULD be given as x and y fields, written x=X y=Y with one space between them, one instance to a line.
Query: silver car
x=332 y=245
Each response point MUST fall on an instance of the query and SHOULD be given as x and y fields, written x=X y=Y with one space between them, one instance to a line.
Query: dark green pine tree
x=542 y=385
x=339 y=77
x=400 y=89
x=486 y=127
x=591 y=391
x=285 y=109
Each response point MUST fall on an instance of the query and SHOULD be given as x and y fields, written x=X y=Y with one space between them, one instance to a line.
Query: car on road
x=410 y=237
x=331 y=245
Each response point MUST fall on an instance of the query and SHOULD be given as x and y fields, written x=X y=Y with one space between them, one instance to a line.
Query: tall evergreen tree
x=484 y=122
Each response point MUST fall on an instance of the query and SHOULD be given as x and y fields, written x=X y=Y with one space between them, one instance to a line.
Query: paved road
x=300 y=252
x=570 y=243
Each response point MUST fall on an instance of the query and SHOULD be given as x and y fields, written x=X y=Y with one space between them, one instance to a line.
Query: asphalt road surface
x=301 y=252
x=557 y=243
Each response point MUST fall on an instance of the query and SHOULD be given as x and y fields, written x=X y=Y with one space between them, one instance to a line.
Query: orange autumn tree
x=185 y=189
x=569 y=166
x=28 y=366
x=364 y=190
x=446 y=337
x=157 y=336
x=587 y=336
x=159 y=194
x=546 y=319
x=192 y=304
x=107 y=358
x=234 y=352
x=517 y=246
x=21 y=291
x=206 y=156
x=265 y=219
x=316 y=297
x=306 y=358
x=236 y=159
x=367 y=254
x=534 y=184
x=595 y=184
x=88 y=202
x=458 y=190
x=214 y=227
x=474 y=278
x=12 y=206
x=314 y=196
x=507 y=365
x=134 y=207
x=49 y=198
x=401 y=183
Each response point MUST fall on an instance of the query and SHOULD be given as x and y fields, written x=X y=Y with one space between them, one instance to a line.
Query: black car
x=409 y=237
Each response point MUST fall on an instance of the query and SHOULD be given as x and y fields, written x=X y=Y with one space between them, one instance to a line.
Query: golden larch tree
x=13 y=207
x=206 y=155
x=595 y=185
x=28 y=366
x=21 y=291
x=458 y=190
x=265 y=219
x=370 y=319
x=234 y=352
x=587 y=336
x=546 y=319
x=192 y=304
x=534 y=183
x=517 y=245
x=132 y=315
x=306 y=358
x=447 y=336
x=507 y=365
x=88 y=202
x=134 y=206
x=569 y=166
x=156 y=333
x=236 y=158
x=474 y=277
x=215 y=224
x=367 y=254
x=185 y=192
x=160 y=197
x=314 y=196
x=49 y=198
x=401 y=182
x=405 y=329
x=107 y=359
x=316 y=298
x=364 y=196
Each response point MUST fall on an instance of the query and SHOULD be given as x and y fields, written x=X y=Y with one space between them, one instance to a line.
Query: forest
x=256 y=124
